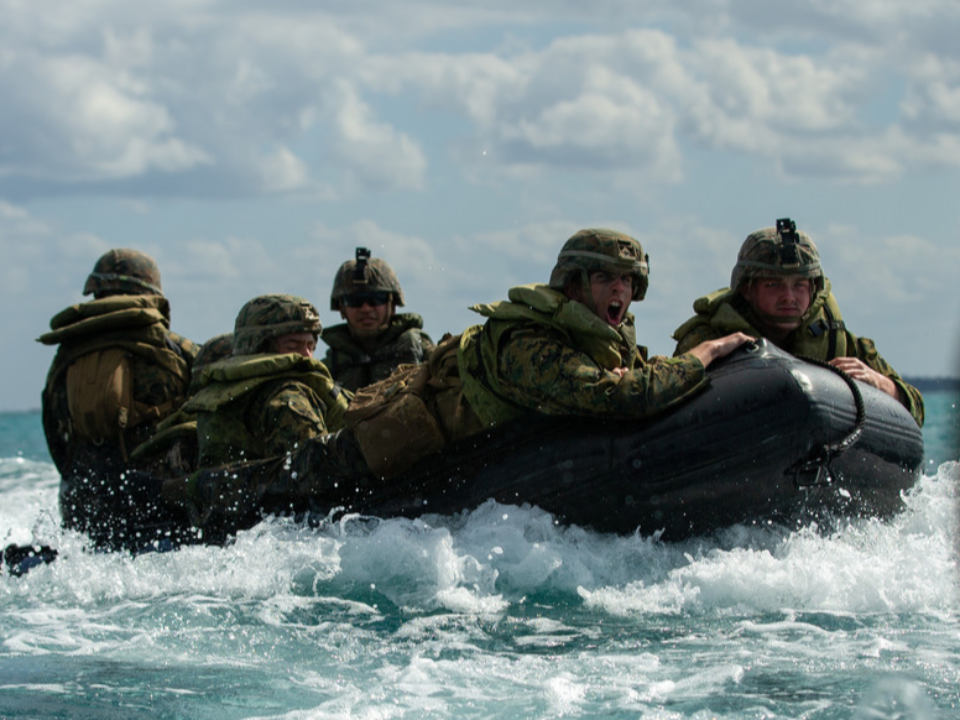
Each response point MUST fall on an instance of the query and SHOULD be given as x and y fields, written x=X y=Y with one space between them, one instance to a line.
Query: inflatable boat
x=773 y=438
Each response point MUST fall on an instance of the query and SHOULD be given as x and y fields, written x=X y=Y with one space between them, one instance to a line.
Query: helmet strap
x=586 y=294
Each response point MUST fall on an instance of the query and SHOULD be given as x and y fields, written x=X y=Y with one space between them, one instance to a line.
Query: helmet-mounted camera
x=787 y=230
x=360 y=271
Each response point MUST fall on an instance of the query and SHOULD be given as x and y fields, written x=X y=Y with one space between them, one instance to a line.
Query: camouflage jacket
x=543 y=353
x=822 y=335
x=251 y=407
x=403 y=342
x=160 y=363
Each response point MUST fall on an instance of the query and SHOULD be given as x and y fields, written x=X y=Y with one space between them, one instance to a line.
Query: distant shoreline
x=943 y=384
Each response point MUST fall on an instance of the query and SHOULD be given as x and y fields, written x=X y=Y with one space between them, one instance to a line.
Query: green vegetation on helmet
x=777 y=251
x=270 y=316
x=124 y=272
x=365 y=275
x=598 y=249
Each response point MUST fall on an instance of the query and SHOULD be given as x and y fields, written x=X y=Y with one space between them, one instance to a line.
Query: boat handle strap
x=815 y=471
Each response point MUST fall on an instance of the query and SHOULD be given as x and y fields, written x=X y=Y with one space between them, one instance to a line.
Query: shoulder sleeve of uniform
x=285 y=414
x=866 y=350
x=540 y=370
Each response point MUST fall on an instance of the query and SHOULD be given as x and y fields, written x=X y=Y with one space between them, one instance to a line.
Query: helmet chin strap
x=586 y=295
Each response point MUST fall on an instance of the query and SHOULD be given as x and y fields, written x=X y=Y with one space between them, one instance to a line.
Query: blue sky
x=250 y=150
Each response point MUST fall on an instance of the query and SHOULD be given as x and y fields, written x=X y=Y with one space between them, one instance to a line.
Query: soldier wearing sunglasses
x=374 y=339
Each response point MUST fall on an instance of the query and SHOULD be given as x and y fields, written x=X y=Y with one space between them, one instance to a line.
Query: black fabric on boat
x=729 y=456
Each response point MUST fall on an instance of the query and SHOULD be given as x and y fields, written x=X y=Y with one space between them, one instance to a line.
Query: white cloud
x=80 y=120
x=282 y=170
x=372 y=153
x=234 y=99
x=464 y=142
x=933 y=95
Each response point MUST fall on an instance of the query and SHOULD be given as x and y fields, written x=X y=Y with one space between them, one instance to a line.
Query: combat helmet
x=270 y=316
x=779 y=250
x=124 y=272
x=365 y=275
x=596 y=249
x=216 y=348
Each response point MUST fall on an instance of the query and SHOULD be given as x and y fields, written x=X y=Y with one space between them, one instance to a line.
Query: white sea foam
x=505 y=610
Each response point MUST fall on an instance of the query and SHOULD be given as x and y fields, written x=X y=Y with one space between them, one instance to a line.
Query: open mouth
x=614 y=312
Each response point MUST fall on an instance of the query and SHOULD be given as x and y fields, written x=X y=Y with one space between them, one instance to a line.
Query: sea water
x=498 y=613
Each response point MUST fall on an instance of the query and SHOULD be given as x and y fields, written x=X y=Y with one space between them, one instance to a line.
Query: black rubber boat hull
x=729 y=456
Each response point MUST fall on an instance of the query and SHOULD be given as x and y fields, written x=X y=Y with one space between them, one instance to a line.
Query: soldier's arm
x=287 y=417
x=876 y=371
x=541 y=372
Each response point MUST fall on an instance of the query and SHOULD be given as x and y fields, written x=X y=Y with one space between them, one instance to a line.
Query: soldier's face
x=303 y=343
x=781 y=301
x=611 y=294
x=368 y=314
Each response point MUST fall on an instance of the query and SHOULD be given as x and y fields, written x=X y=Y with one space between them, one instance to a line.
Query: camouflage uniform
x=402 y=342
x=225 y=499
x=174 y=450
x=257 y=403
x=542 y=352
x=821 y=333
x=129 y=316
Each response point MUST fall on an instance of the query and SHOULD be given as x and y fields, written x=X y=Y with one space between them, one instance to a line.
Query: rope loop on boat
x=815 y=471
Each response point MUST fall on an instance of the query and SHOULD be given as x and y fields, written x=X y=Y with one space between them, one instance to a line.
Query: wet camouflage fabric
x=537 y=366
x=735 y=314
x=124 y=271
x=222 y=500
x=93 y=497
x=541 y=372
x=174 y=450
x=403 y=342
x=267 y=416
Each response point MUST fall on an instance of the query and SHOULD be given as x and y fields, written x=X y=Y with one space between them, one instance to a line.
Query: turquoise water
x=500 y=613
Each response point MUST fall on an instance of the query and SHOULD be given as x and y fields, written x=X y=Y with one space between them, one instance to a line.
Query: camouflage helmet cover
x=596 y=249
x=365 y=275
x=124 y=271
x=777 y=251
x=270 y=316
x=216 y=348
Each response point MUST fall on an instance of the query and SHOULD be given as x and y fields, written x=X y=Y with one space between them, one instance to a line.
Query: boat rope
x=815 y=471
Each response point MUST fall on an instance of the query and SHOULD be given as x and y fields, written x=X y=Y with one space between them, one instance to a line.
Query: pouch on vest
x=413 y=413
x=392 y=424
x=100 y=395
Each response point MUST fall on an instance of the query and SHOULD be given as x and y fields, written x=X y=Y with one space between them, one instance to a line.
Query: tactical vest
x=229 y=386
x=820 y=335
x=480 y=345
x=402 y=343
x=98 y=340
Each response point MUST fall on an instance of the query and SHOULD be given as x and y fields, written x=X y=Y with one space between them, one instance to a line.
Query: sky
x=251 y=147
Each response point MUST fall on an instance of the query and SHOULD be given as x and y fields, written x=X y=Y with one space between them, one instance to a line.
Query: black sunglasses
x=373 y=299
